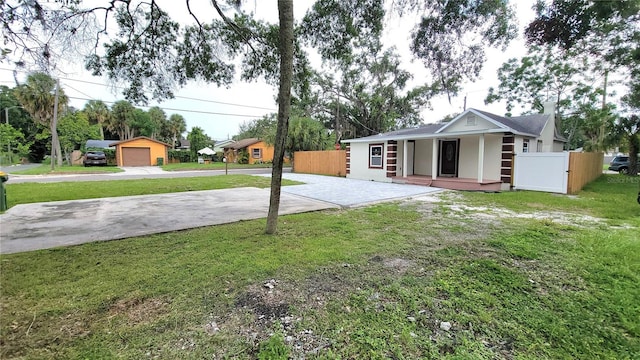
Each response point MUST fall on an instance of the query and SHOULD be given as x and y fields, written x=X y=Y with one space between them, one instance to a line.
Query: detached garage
x=141 y=151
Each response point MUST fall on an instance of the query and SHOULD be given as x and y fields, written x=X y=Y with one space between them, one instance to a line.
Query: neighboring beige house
x=474 y=151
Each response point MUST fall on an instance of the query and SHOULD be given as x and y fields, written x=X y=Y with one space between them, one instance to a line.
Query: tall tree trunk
x=101 y=132
x=58 y=151
x=285 y=44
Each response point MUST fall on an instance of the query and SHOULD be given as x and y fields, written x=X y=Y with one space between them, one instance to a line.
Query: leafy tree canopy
x=198 y=140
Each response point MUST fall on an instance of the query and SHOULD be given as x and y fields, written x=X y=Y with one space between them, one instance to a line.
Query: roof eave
x=436 y=136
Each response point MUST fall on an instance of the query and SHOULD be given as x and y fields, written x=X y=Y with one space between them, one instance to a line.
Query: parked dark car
x=95 y=158
x=620 y=164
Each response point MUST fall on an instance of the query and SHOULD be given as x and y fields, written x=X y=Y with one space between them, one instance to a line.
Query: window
x=471 y=120
x=375 y=155
x=525 y=145
x=539 y=148
x=256 y=153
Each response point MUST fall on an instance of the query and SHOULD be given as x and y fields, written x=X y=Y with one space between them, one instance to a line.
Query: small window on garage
x=375 y=155
x=525 y=145
x=256 y=153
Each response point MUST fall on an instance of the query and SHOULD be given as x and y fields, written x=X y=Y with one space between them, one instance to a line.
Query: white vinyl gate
x=548 y=171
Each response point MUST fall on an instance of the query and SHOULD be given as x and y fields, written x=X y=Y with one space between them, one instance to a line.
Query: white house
x=474 y=151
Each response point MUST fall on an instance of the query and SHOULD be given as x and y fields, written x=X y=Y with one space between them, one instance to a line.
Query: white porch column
x=481 y=158
x=405 y=148
x=434 y=159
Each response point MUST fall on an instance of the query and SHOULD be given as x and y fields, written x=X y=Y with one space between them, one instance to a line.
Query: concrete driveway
x=47 y=225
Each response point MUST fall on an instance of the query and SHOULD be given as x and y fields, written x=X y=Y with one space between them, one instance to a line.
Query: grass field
x=45 y=169
x=474 y=276
x=211 y=166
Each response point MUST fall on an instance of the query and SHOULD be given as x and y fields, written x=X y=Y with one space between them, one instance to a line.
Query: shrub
x=182 y=156
x=243 y=156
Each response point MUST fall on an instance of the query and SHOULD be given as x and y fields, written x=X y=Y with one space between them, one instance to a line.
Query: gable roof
x=241 y=144
x=220 y=145
x=424 y=129
x=527 y=125
x=140 y=138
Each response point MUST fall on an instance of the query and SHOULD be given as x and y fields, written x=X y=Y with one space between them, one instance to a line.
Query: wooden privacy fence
x=329 y=162
x=583 y=169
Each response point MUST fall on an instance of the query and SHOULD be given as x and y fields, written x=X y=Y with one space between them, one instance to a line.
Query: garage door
x=136 y=156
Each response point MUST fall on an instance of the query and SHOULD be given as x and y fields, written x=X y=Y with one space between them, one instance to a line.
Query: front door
x=449 y=158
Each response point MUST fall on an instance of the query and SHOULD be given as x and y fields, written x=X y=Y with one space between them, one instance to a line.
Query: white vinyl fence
x=542 y=172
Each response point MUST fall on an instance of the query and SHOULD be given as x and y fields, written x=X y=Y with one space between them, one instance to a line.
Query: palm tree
x=177 y=125
x=98 y=113
x=158 y=121
x=37 y=97
x=122 y=120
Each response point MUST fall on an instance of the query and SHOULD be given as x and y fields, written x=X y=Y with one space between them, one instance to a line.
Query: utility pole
x=338 y=135
x=54 y=127
x=6 y=119
x=604 y=106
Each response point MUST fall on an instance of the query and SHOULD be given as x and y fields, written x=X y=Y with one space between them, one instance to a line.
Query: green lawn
x=24 y=193
x=211 y=166
x=45 y=169
x=370 y=283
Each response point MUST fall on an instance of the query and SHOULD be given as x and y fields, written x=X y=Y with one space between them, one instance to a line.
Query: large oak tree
x=152 y=53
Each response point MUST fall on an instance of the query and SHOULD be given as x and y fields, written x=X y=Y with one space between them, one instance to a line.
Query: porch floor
x=450 y=183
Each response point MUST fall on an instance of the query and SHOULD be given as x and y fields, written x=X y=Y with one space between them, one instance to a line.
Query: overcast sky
x=220 y=111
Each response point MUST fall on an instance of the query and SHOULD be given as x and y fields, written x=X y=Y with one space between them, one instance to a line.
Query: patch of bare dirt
x=139 y=311
x=454 y=206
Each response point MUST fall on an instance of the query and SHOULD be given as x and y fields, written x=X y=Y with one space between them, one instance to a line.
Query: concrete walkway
x=47 y=225
x=350 y=192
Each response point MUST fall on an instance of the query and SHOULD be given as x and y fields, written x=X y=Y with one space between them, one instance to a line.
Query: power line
x=176 y=97
x=74 y=89
x=174 y=109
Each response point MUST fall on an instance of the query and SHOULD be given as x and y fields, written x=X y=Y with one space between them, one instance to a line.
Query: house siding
x=359 y=164
x=468 y=158
x=266 y=152
x=558 y=146
x=492 y=152
x=422 y=165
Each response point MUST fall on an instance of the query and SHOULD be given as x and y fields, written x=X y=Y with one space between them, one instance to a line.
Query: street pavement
x=30 y=227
